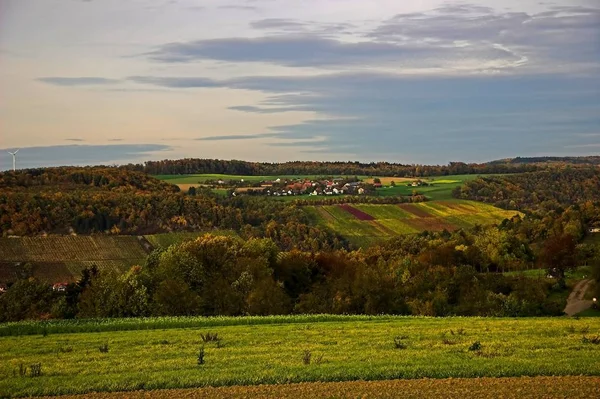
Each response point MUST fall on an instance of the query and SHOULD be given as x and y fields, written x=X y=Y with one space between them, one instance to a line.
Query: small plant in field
x=571 y=329
x=475 y=346
x=306 y=357
x=592 y=340
x=446 y=341
x=219 y=344
x=35 y=370
x=210 y=337
x=319 y=359
x=65 y=349
x=460 y=331
x=201 y=356
x=104 y=348
x=22 y=370
x=398 y=342
x=163 y=342
x=585 y=330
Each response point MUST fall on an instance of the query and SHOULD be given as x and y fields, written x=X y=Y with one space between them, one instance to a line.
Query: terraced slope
x=62 y=258
x=364 y=224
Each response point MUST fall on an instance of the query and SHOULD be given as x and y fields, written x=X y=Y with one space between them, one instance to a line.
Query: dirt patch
x=576 y=302
x=430 y=224
x=357 y=213
x=415 y=210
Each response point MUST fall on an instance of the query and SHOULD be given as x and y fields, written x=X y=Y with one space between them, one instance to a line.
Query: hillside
x=365 y=224
x=62 y=258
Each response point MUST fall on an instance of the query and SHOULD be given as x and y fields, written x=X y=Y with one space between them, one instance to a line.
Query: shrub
x=306 y=357
x=201 y=356
x=104 y=348
x=475 y=346
x=210 y=337
x=35 y=370
x=398 y=344
x=592 y=340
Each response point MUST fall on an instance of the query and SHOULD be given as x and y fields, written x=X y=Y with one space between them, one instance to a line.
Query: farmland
x=339 y=349
x=62 y=258
x=363 y=224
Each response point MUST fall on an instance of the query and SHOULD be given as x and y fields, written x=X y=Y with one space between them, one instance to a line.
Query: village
x=306 y=187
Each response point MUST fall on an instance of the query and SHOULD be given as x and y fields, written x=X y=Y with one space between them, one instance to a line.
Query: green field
x=203 y=178
x=393 y=220
x=344 y=348
x=440 y=187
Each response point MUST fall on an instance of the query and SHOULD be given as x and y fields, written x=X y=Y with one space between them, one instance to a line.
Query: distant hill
x=586 y=160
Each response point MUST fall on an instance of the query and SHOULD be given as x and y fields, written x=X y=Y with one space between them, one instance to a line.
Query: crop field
x=296 y=349
x=363 y=224
x=439 y=188
x=62 y=258
x=509 y=388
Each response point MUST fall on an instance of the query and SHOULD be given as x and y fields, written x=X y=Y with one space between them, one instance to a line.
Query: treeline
x=590 y=160
x=234 y=167
x=427 y=274
x=89 y=177
x=551 y=189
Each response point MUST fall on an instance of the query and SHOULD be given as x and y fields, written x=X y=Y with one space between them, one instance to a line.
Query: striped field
x=364 y=224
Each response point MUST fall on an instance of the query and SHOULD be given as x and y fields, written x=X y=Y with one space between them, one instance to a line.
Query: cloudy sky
x=118 y=81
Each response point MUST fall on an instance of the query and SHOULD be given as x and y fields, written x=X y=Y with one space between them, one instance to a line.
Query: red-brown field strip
x=429 y=224
x=357 y=213
x=577 y=387
x=415 y=210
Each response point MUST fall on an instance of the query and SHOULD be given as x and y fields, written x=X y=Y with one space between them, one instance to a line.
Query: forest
x=281 y=264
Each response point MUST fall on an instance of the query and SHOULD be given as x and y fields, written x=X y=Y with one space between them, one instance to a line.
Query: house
x=60 y=287
x=377 y=185
x=361 y=191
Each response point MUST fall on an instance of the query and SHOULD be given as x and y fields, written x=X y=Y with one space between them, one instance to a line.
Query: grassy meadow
x=391 y=220
x=303 y=350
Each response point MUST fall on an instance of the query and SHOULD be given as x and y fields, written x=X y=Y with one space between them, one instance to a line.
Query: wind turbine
x=14 y=154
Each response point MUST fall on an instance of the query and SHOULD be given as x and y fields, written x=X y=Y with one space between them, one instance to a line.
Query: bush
x=104 y=348
x=398 y=343
x=201 y=356
x=306 y=357
x=210 y=337
x=475 y=346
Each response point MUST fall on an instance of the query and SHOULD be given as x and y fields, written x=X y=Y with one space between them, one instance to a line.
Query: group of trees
x=428 y=274
x=234 y=167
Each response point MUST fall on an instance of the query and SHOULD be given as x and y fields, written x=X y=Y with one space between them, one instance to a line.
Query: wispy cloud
x=236 y=137
x=78 y=81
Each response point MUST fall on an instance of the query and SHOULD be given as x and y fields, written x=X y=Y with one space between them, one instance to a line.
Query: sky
x=429 y=82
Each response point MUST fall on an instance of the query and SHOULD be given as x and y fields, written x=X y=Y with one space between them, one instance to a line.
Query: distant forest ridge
x=236 y=167
x=589 y=160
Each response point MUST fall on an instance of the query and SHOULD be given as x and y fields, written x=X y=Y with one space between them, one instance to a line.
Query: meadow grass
x=342 y=349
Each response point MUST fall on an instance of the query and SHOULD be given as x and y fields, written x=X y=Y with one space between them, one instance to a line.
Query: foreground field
x=346 y=349
x=363 y=224
x=516 y=387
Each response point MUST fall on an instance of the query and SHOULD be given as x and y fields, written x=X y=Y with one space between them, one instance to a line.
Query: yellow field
x=516 y=387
